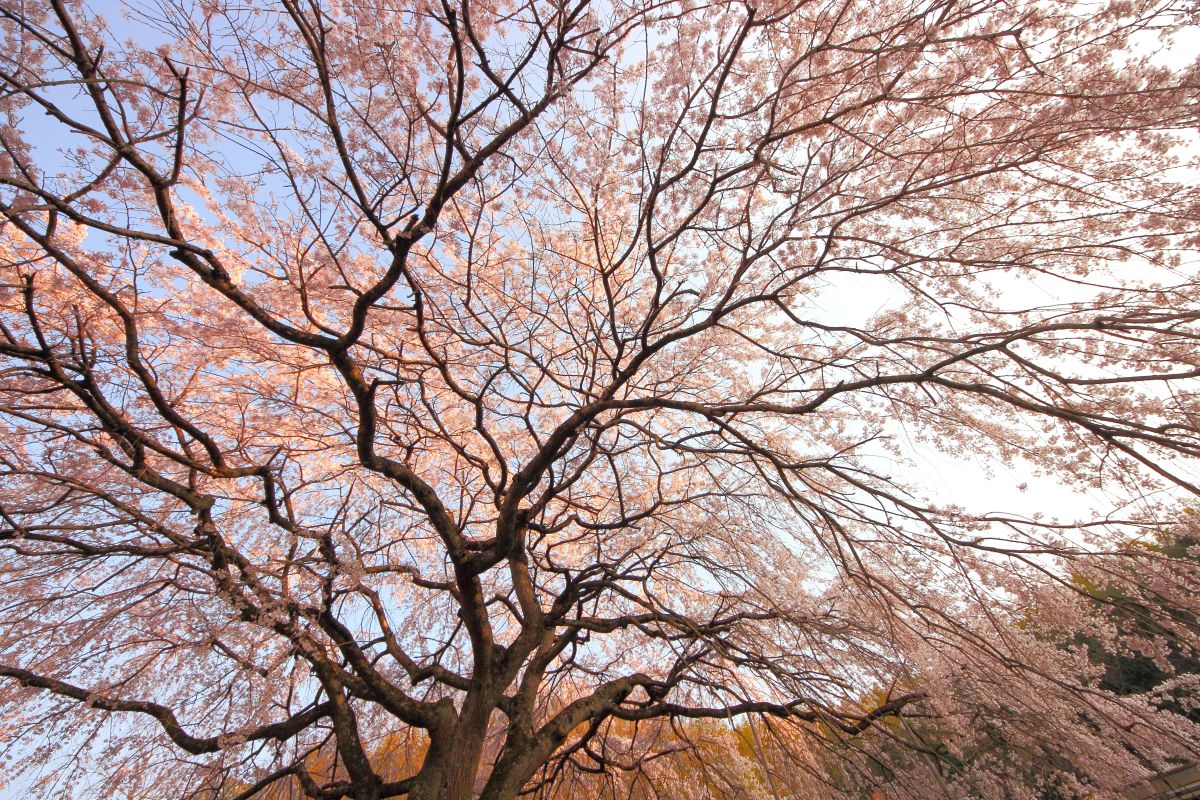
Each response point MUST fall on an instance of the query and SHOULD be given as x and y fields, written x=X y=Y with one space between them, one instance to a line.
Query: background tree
x=1150 y=655
x=499 y=375
x=1137 y=644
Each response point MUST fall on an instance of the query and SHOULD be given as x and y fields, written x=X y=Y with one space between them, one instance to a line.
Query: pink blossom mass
x=464 y=400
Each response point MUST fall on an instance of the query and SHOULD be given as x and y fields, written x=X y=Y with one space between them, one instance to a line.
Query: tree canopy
x=538 y=388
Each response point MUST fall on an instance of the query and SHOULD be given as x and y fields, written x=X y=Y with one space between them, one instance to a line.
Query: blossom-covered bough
x=459 y=399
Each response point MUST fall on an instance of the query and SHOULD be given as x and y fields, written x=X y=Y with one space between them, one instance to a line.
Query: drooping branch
x=166 y=718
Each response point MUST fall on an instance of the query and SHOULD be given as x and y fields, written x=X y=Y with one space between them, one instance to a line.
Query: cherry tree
x=537 y=389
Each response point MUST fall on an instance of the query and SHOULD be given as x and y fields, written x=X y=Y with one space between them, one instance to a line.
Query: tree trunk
x=452 y=763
